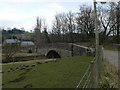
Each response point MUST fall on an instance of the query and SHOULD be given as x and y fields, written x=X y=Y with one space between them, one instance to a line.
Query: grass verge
x=109 y=75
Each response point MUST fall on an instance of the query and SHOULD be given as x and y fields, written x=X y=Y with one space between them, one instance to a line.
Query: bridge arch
x=53 y=54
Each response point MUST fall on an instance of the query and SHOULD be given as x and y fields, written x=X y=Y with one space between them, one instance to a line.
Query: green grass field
x=63 y=73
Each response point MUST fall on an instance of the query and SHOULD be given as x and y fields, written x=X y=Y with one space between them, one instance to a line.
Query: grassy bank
x=109 y=76
x=112 y=47
x=62 y=73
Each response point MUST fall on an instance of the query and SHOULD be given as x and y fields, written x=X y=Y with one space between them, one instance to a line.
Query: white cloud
x=38 y=1
x=33 y=1
x=107 y=0
x=51 y=8
x=24 y=14
x=14 y=16
x=49 y=12
x=57 y=7
x=27 y=25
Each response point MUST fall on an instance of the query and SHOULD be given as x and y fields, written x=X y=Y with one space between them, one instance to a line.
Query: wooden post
x=92 y=75
x=97 y=45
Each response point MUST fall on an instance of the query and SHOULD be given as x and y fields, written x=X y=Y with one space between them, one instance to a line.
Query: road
x=112 y=57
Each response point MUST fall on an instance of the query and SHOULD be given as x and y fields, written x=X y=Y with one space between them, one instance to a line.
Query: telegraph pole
x=97 y=46
x=118 y=22
x=96 y=31
x=97 y=56
x=118 y=31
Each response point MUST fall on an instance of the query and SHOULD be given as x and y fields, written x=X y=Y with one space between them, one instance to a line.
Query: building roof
x=27 y=43
x=12 y=41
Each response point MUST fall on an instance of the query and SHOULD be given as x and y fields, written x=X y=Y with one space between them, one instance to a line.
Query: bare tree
x=71 y=25
x=85 y=23
x=64 y=26
x=37 y=33
x=9 y=51
x=45 y=35
x=57 y=27
x=107 y=18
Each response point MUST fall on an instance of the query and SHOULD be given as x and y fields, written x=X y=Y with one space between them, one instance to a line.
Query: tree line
x=73 y=27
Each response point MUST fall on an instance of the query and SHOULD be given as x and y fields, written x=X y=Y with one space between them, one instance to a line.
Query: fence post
x=92 y=74
x=100 y=61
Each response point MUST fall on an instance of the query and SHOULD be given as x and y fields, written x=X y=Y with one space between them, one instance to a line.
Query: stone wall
x=65 y=49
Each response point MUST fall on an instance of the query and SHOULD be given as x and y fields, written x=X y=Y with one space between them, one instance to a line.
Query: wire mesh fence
x=92 y=74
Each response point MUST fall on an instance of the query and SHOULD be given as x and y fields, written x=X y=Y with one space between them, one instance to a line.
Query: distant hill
x=16 y=33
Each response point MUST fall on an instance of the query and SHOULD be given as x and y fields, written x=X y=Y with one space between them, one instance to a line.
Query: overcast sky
x=23 y=13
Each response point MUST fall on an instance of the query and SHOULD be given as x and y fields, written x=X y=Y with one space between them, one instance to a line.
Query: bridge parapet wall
x=65 y=49
x=65 y=46
x=63 y=53
x=79 y=51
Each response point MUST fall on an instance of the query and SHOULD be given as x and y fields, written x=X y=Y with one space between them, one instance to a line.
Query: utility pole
x=96 y=30
x=97 y=45
x=97 y=56
x=118 y=27
x=118 y=22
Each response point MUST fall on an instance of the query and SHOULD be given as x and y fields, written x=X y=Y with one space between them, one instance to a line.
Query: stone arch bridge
x=61 y=50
